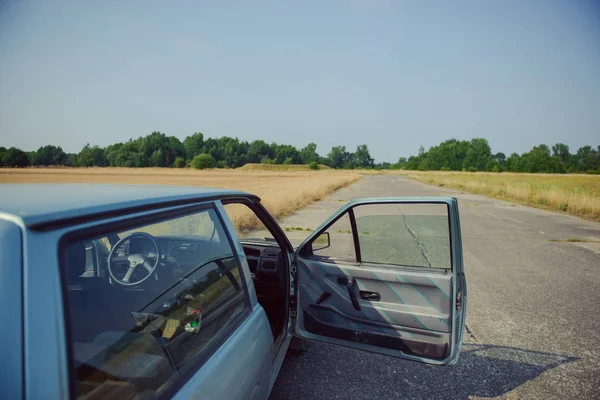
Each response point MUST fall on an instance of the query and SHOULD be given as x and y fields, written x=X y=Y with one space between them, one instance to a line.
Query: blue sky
x=392 y=74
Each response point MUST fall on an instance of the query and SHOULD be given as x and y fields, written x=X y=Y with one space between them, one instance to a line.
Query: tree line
x=476 y=155
x=159 y=150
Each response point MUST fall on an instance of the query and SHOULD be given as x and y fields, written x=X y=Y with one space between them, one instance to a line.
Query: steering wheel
x=132 y=261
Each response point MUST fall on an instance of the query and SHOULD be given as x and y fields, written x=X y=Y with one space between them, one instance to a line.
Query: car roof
x=45 y=205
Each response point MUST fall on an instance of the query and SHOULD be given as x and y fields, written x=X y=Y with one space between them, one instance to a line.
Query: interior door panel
x=385 y=275
x=413 y=311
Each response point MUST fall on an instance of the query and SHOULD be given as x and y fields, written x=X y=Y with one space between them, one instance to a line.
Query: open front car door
x=386 y=276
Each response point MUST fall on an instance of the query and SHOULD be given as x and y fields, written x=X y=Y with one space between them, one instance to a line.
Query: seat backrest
x=74 y=262
x=90 y=298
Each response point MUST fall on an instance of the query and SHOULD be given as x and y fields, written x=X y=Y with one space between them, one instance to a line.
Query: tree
x=284 y=152
x=513 y=163
x=414 y=162
x=13 y=157
x=362 y=158
x=157 y=159
x=259 y=152
x=129 y=154
x=203 y=161
x=91 y=157
x=478 y=155
x=561 y=151
x=587 y=159
x=448 y=155
x=309 y=154
x=193 y=145
x=501 y=159
x=232 y=152
x=111 y=152
x=158 y=150
x=50 y=155
x=337 y=157
x=538 y=159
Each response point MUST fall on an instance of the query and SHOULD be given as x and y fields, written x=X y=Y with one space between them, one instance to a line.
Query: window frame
x=306 y=249
x=131 y=219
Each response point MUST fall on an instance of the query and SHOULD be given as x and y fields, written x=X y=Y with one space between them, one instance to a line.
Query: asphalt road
x=533 y=319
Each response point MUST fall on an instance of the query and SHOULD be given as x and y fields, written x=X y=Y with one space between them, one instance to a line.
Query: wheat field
x=281 y=192
x=570 y=193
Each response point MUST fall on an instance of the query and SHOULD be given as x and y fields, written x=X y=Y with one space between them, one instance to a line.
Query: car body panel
x=46 y=366
x=241 y=366
x=42 y=206
x=11 y=312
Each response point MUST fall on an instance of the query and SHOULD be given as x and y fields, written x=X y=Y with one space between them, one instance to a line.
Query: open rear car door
x=386 y=276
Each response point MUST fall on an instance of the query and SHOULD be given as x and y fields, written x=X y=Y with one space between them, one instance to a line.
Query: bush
x=179 y=163
x=203 y=161
x=313 y=165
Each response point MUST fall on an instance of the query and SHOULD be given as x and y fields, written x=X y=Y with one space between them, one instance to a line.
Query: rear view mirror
x=321 y=242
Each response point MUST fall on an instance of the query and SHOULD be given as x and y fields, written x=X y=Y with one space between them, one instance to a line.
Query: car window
x=166 y=292
x=414 y=235
x=341 y=241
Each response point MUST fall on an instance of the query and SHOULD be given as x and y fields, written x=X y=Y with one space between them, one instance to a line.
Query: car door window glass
x=132 y=331
x=341 y=242
x=404 y=234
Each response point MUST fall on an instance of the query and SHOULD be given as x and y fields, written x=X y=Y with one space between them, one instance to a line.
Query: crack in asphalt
x=416 y=239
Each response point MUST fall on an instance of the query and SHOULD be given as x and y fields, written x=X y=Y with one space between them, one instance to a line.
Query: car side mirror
x=321 y=242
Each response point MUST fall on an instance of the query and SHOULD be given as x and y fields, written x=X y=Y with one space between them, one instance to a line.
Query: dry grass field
x=574 y=194
x=282 y=192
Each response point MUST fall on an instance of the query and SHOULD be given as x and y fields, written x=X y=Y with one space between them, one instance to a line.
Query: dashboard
x=181 y=249
x=180 y=254
x=262 y=260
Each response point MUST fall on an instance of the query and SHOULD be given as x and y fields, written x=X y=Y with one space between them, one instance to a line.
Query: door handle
x=352 y=287
x=371 y=296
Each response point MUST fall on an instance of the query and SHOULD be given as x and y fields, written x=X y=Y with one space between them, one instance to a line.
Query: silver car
x=127 y=291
